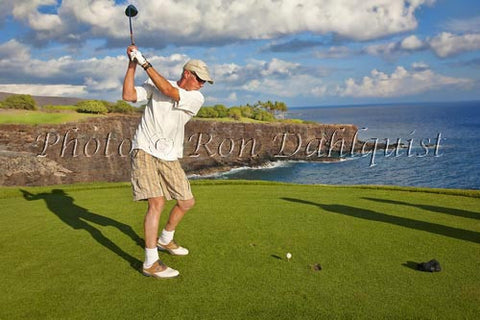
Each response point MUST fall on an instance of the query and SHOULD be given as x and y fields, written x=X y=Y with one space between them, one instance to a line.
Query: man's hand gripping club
x=137 y=56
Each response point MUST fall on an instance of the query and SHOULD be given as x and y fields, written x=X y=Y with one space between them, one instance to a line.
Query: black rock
x=430 y=266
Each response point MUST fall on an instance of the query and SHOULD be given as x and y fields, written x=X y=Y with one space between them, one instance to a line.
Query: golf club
x=131 y=11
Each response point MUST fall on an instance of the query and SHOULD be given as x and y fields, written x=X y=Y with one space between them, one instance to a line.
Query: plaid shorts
x=152 y=177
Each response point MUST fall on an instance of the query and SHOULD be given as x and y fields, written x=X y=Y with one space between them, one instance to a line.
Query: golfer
x=156 y=174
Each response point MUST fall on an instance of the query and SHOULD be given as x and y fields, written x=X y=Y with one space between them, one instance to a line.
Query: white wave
x=266 y=166
x=337 y=160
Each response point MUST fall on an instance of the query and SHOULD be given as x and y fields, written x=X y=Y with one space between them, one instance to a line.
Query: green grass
x=72 y=252
x=228 y=119
x=64 y=114
x=59 y=108
x=39 y=117
x=250 y=120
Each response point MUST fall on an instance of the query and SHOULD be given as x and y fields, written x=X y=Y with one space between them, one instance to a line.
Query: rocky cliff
x=98 y=149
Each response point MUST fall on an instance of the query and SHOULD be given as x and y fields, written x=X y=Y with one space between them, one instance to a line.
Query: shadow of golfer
x=360 y=213
x=450 y=211
x=63 y=206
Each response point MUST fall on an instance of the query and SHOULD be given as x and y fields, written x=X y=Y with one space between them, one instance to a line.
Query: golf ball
x=289 y=256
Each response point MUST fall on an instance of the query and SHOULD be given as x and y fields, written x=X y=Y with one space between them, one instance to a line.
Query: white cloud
x=27 y=10
x=420 y=66
x=58 y=90
x=319 y=91
x=199 y=21
x=401 y=82
x=232 y=97
x=469 y=25
x=447 y=44
x=408 y=44
x=67 y=76
x=275 y=77
x=13 y=51
x=44 y=22
x=279 y=67
x=384 y=49
x=287 y=87
x=412 y=43
x=334 y=53
x=229 y=73
x=443 y=45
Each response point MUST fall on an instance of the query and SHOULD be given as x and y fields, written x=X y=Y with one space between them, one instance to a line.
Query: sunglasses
x=197 y=77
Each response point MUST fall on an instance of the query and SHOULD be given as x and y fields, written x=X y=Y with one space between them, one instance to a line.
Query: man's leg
x=151 y=222
x=177 y=213
x=150 y=227
x=152 y=266
x=146 y=184
x=165 y=242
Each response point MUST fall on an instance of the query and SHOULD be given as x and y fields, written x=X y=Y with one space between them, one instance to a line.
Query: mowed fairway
x=75 y=252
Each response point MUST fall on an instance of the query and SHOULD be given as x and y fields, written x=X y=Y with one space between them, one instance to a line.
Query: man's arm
x=163 y=85
x=158 y=80
x=129 y=93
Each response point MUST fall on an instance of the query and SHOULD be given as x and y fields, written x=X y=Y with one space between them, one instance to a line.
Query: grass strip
x=75 y=252
x=38 y=117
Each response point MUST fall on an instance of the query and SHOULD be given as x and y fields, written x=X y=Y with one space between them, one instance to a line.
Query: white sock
x=166 y=236
x=151 y=255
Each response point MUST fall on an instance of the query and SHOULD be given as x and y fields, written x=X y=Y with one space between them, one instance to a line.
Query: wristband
x=146 y=65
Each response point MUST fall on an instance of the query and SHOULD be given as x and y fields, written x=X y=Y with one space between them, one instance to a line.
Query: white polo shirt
x=162 y=128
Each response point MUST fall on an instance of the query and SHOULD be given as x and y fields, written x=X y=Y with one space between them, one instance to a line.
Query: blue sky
x=305 y=53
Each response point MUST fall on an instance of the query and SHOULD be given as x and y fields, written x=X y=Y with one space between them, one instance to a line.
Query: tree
x=20 y=101
x=269 y=106
x=280 y=107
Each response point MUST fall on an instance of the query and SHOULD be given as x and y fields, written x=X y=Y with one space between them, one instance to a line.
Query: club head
x=131 y=11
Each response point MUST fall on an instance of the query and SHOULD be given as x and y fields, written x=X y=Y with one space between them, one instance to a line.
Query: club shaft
x=131 y=30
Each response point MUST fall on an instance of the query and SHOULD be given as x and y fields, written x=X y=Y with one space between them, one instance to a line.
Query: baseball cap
x=200 y=68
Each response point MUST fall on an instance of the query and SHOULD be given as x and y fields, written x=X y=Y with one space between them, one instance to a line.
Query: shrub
x=262 y=115
x=107 y=104
x=235 y=113
x=222 y=111
x=20 y=101
x=92 y=106
x=120 y=107
x=261 y=111
x=207 y=112
x=247 y=111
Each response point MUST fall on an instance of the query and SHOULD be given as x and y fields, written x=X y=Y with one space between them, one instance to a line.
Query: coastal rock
x=98 y=149
x=24 y=168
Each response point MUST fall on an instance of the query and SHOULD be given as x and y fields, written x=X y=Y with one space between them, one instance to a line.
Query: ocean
x=442 y=148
